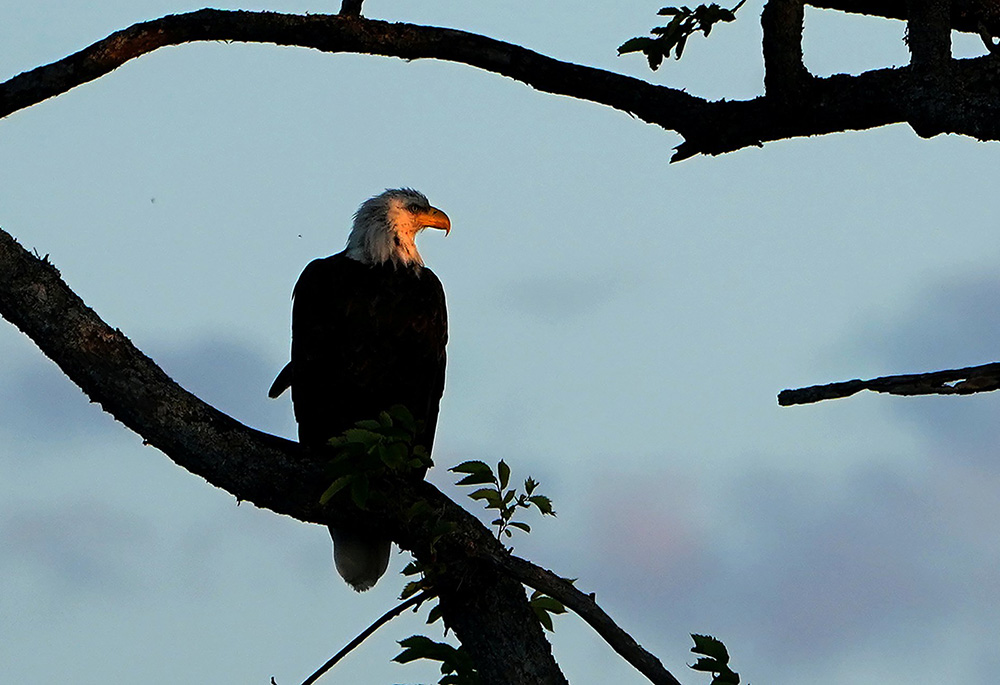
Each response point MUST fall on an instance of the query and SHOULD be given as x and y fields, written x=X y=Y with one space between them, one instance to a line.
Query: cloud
x=81 y=545
x=796 y=571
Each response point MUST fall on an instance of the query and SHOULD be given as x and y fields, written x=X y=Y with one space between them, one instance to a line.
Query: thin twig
x=967 y=381
x=584 y=606
x=385 y=618
x=351 y=8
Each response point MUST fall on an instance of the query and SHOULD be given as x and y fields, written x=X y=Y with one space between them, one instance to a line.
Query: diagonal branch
x=585 y=606
x=967 y=381
x=507 y=647
x=280 y=475
x=839 y=103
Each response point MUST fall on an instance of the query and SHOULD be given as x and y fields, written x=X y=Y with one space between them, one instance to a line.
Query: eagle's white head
x=386 y=225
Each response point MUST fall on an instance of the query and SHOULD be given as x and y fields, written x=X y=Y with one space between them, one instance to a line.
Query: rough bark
x=784 y=71
x=968 y=102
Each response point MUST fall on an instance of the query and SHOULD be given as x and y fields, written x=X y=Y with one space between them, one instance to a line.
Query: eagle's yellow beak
x=435 y=218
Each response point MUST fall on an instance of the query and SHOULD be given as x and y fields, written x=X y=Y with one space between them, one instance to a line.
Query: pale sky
x=620 y=328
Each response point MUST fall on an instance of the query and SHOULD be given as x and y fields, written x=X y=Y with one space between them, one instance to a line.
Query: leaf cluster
x=373 y=448
x=456 y=665
x=544 y=606
x=715 y=660
x=673 y=37
x=498 y=497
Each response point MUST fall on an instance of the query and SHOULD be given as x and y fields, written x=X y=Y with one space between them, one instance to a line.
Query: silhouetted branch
x=507 y=646
x=965 y=381
x=280 y=475
x=585 y=606
x=781 y=22
x=965 y=103
x=367 y=632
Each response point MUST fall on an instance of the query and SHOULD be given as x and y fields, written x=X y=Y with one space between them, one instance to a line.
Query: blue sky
x=620 y=329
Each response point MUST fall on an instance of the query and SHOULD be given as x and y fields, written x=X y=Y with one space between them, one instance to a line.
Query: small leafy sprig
x=373 y=448
x=456 y=666
x=714 y=661
x=673 y=37
x=506 y=501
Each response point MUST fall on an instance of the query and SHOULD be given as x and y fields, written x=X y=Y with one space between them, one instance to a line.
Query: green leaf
x=637 y=44
x=543 y=503
x=335 y=487
x=530 y=484
x=508 y=496
x=476 y=479
x=503 y=471
x=523 y=526
x=404 y=417
x=545 y=620
x=549 y=604
x=362 y=435
x=434 y=614
x=491 y=496
x=394 y=455
x=359 y=490
x=420 y=510
x=707 y=665
x=710 y=646
x=369 y=425
x=411 y=588
x=474 y=466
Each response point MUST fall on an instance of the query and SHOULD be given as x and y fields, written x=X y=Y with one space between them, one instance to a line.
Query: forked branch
x=966 y=103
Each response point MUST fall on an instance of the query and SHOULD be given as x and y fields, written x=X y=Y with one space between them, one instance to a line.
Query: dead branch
x=965 y=381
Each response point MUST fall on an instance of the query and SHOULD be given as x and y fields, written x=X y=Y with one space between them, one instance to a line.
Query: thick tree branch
x=965 y=381
x=967 y=101
x=507 y=645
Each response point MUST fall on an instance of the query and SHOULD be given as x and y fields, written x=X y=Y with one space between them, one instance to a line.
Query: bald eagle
x=369 y=328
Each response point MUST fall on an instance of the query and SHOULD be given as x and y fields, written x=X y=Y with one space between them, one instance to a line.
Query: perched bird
x=369 y=329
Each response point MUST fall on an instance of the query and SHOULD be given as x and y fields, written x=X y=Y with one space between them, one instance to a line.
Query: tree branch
x=368 y=632
x=837 y=103
x=965 y=381
x=585 y=606
x=507 y=646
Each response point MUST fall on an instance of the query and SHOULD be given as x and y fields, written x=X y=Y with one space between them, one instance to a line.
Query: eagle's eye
x=414 y=207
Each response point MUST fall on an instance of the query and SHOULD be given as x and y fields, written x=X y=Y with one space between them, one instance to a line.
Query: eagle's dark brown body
x=369 y=329
x=364 y=338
